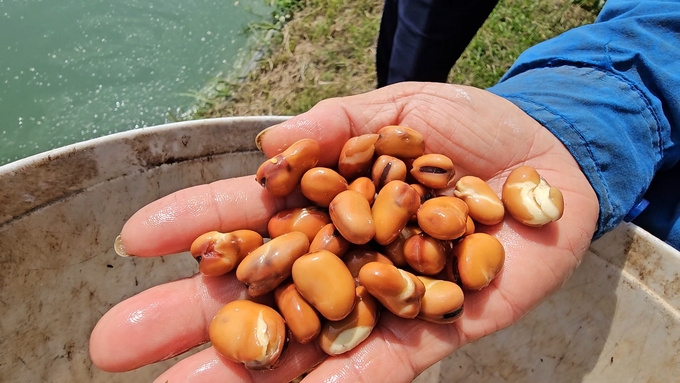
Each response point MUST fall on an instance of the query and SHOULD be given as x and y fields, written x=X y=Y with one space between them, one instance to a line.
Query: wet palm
x=483 y=134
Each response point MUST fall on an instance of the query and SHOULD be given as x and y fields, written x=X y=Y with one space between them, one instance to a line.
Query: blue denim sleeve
x=610 y=91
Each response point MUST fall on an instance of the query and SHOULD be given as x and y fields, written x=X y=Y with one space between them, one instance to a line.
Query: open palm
x=483 y=134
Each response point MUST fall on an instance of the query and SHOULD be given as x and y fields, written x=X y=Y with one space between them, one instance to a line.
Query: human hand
x=483 y=134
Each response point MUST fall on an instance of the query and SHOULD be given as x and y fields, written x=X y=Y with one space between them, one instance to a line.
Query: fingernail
x=258 y=138
x=119 y=248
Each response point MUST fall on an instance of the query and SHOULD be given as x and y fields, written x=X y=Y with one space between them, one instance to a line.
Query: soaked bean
x=443 y=217
x=425 y=254
x=530 y=199
x=249 y=333
x=308 y=220
x=484 y=205
x=281 y=174
x=325 y=282
x=356 y=156
x=400 y=141
x=219 y=253
x=351 y=215
x=424 y=192
x=365 y=186
x=329 y=238
x=301 y=318
x=356 y=259
x=442 y=302
x=387 y=168
x=433 y=170
x=398 y=290
x=394 y=206
x=321 y=185
x=480 y=258
x=270 y=264
x=338 y=337
x=395 y=249
x=469 y=226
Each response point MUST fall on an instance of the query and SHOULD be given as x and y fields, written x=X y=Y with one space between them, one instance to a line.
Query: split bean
x=219 y=253
x=484 y=205
x=338 y=337
x=250 y=333
x=530 y=199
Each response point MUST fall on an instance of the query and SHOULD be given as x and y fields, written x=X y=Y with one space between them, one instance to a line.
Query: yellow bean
x=270 y=264
x=281 y=174
x=249 y=333
x=326 y=283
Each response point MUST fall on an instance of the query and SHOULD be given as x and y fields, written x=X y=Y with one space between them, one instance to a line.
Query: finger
x=161 y=322
x=208 y=366
x=170 y=224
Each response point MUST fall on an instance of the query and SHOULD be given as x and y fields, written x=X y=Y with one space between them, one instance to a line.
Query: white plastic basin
x=616 y=320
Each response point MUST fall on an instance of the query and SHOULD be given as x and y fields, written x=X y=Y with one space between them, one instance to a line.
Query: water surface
x=71 y=70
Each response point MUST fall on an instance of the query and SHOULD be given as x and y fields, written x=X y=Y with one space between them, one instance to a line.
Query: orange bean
x=219 y=253
x=394 y=206
x=281 y=174
x=351 y=215
x=301 y=318
x=480 y=258
x=308 y=220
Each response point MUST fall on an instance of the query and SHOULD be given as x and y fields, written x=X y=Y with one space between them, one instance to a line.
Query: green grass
x=326 y=48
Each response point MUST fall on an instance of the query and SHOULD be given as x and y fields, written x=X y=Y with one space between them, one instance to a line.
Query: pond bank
x=326 y=48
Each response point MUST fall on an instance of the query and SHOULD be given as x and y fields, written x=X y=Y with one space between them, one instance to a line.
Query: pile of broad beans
x=378 y=233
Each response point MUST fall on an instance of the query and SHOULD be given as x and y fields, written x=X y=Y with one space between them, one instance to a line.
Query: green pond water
x=72 y=70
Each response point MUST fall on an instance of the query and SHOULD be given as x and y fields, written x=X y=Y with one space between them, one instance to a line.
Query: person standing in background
x=420 y=40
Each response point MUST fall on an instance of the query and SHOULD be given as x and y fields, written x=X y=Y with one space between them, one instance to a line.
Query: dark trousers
x=420 y=40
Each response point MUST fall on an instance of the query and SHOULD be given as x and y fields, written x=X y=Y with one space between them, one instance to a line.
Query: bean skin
x=443 y=217
x=387 y=168
x=270 y=264
x=356 y=259
x=351 y=215
x=398 y=290
x=395 y=249
x=433 y=170
x=400 y=141
x=325 y=282
x=425 y=254
x=338 y=337
x=219 y=253
x=365 y=186
x=394 y=206
x=484 y=205
x=301 y=318
x=442 y=302
x=356 y=156
x=530 y=199
x=320 y=185
x=250 y=333
x=480 y=258
x=282 y=173
x=308 y=220
x=329 y=238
